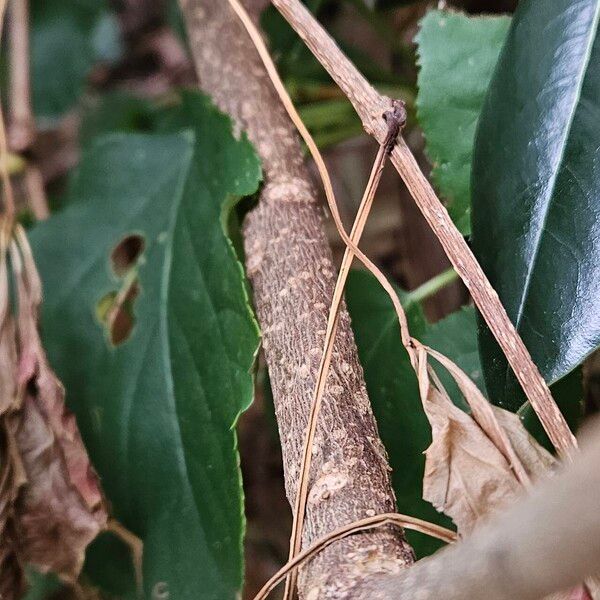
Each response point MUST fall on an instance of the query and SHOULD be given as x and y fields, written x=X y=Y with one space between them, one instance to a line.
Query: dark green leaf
x=536 y=184
x=457 y=55
x=158 y=410
x=67 y=38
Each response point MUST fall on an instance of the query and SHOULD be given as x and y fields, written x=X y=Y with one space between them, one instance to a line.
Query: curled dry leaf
x=51 y=505
x=477 y=463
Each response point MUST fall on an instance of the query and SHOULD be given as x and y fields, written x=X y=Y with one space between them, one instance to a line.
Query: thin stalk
x=398 y=520
x=369 y=105
x=326 y=139
x=431 y=287
x=20 y=120
x=9 y=199
x=328 y=113
x=332 y=323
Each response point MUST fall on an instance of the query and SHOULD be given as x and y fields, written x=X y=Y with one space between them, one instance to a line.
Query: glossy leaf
x=536 y=184
x=158 y=408
x=67 y=38
x=457 y=55
x=393 y=388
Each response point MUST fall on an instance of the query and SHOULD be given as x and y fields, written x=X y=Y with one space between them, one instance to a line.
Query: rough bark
x=290 y=267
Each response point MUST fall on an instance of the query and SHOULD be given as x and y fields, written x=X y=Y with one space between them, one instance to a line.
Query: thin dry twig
x=436 y=531
x=332 y=322
x=36 y=193
x=9 y=199
x=20 y=122
x=369 y=105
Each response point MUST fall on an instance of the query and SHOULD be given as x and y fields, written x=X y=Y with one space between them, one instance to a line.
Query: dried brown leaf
x=476 y=463
x=51 y=505
x=466 y=476
x=536 y=460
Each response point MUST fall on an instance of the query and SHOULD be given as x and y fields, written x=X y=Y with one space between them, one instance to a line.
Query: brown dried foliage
x=51 y=505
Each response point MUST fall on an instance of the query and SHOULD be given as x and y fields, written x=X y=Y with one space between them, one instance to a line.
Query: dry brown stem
x=370 y=105
x=8 y=196
x=20 y=118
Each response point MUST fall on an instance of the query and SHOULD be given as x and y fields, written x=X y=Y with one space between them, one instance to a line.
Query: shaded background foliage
x=117 y=68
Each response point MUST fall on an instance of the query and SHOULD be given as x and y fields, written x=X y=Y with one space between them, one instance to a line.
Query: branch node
x=395 y=118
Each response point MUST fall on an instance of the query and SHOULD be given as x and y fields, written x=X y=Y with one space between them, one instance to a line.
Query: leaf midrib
x=163 y=317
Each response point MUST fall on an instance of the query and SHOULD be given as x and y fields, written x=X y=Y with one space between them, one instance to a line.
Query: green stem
x=431 y=287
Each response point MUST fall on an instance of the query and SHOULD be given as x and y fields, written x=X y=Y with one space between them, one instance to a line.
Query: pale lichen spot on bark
x=337 y=434
x=304 y=371
x=254 y=260
x=313 y=594
x=326 y=486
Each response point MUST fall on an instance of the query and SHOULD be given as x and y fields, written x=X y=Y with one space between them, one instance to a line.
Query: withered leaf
x=466 y=476
x=477 y=463
x=51 y=505
x=538 y=462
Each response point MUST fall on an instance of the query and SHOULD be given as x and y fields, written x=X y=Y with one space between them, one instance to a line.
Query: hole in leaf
x=126 y=254
x=115 y=312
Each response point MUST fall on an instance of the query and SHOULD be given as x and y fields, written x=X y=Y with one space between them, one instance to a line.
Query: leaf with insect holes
x=457 y=55
x=148 y=323
x=536 y=183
